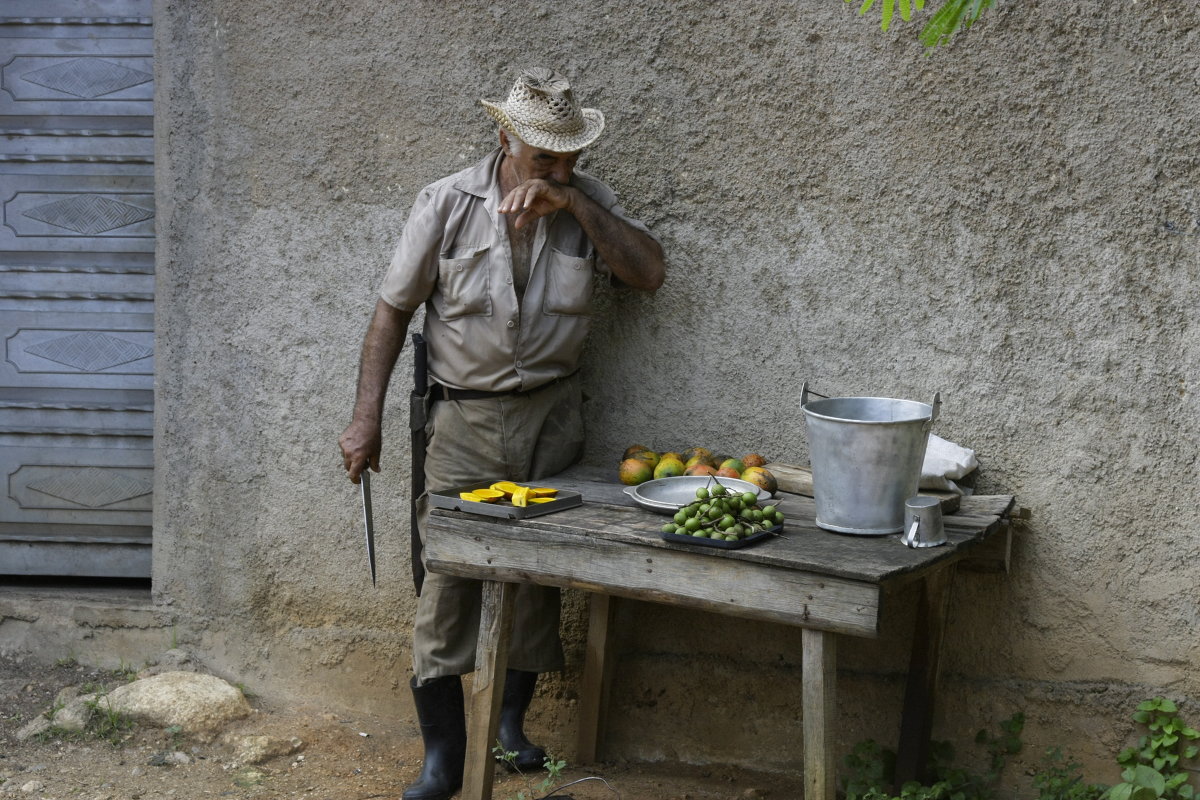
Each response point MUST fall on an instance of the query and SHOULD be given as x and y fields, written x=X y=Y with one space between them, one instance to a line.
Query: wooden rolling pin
x=797 y=479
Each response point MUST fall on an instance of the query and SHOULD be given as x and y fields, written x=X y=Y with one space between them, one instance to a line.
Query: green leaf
x=1149 y=778
x=1142 y=716
x=865 y=6
x=888 y=8
x=1190 y=733
x=1121 y=791
x=905 y=10
x=1166 y=705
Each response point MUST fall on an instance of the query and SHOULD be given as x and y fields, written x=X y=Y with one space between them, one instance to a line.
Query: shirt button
x=519 y=364
x=512 y=324
x=459 y=268
x=508 y=281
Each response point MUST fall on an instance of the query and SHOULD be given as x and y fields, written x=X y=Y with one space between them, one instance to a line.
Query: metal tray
x=502 y=508
x=700 y=541
x=668 y=495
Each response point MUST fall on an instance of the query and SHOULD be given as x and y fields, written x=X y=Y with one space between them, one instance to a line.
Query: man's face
x=532 y=162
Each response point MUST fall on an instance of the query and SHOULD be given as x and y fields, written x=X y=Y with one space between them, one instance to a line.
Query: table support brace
x=597 y=676
x=487 y=689
x=916 y=724
x=819 y=707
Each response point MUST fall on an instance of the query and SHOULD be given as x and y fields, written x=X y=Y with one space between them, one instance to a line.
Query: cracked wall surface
x=1011 y=220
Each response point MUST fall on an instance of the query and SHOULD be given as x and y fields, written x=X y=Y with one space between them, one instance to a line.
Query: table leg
x=487 y=689
x=916 y=724
x=819 y=706
x=597 y=677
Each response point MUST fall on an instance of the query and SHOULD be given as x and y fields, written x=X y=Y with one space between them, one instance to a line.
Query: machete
x=416 y=424
x=364 y=482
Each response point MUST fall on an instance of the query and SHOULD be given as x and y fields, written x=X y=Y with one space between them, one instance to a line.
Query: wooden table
x=825 y=583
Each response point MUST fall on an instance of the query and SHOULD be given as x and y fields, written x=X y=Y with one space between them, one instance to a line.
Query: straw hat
x=541 y=110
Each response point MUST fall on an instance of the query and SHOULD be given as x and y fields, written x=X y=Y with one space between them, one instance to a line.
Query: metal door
x=76 y=287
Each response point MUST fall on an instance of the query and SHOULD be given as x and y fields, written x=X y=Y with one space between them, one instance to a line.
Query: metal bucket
x=866 y=455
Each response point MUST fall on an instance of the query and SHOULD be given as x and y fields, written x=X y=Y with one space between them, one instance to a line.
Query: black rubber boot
x=444 y=730
x=518 y=691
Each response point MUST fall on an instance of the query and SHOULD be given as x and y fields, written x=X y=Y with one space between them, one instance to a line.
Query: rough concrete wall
x=1011 y=221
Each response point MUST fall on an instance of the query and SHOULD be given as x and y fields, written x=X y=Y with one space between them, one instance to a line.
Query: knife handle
x=420 y=365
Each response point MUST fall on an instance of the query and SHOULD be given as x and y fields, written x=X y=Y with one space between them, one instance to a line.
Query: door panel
x=76 y=287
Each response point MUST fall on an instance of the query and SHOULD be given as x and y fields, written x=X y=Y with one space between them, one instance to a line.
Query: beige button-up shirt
x=455 y=257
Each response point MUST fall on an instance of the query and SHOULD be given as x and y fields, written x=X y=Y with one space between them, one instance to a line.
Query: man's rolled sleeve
x=412 y=276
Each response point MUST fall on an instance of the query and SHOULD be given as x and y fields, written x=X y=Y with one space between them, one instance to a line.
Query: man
x=502 y=255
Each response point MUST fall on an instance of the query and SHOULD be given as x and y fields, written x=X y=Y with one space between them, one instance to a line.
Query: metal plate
x=668 y=495
x=502 y=508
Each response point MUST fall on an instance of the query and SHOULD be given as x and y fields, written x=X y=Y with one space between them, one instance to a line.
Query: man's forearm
x=381 y=348
x=632 y=255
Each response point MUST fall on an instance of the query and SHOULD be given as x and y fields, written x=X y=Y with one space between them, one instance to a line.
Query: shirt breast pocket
x=464 y=284
x=568 y=285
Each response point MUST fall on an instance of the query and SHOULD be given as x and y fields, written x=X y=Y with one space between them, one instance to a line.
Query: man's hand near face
x=536 y=198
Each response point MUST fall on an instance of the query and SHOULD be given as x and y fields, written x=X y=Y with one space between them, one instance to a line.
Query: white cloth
x=944 y=463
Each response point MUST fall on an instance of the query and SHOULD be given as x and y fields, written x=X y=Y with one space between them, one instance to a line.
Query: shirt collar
x=483 y=179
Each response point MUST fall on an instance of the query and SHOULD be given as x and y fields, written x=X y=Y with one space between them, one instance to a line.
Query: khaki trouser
x=517 y=438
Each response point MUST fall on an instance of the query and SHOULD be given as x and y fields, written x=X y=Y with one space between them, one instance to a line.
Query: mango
x=700 y=468
x=634 y=471
x=762 y=478
x=734 y=464
x=669 y=468
x=649 y=456
x=506 y=488
x=753 y=460
x=633 y=450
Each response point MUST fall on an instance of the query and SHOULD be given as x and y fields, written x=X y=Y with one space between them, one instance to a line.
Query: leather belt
x=440 y=392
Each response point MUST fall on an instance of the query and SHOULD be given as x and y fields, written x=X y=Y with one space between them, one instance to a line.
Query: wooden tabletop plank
x=505 y=550
x=609 y=513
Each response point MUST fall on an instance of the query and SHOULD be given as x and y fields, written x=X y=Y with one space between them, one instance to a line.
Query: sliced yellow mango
x=488 y=495
x=474 y=498
x=541 y=499
x=506 y=488
x=542 y=491
x=520 y=497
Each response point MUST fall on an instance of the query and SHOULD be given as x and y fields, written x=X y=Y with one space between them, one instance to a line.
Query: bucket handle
x=805 y=392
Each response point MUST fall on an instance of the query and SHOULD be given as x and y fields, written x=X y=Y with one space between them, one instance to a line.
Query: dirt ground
x=342 y=758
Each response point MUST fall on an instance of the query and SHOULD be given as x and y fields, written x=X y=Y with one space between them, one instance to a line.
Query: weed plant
x=1161 y=767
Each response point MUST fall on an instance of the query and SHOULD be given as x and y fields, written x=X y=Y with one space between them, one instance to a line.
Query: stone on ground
x=199 y=704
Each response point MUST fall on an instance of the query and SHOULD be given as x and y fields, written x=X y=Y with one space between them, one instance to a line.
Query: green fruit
x=668 y=468
x=634 y=471
x=734 y=464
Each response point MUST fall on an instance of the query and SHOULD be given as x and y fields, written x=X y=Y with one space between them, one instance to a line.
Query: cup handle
x=910 y=536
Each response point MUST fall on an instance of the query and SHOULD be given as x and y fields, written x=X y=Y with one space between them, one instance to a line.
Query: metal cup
x=923 y=522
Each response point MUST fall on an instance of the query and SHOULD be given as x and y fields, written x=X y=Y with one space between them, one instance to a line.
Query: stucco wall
x=1012 y=221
